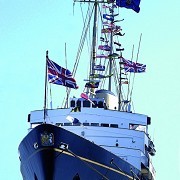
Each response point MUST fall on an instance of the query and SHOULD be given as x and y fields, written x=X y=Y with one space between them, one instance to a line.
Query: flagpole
x=45 y=88
x=67 y=96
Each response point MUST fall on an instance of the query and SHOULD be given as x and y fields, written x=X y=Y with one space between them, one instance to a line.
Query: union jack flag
x=130 y=66
x=59 y=75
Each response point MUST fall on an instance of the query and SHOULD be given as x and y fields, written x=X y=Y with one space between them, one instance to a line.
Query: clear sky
x=29 y=28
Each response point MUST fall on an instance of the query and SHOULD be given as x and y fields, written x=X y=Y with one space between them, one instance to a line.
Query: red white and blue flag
x=133 y=67
x=59 y=75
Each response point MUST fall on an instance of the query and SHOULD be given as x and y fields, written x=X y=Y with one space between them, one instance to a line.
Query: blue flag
x=109 y=17
x=59 y=75
x=129 y=4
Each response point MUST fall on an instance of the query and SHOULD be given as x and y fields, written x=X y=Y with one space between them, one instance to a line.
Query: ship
x=96 y=135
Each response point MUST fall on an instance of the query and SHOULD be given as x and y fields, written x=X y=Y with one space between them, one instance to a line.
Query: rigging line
x=136 y=62
x=115 y=75
x=84 y=21
x=117 y=80
x=128 y=92
x=100 y=12
x=91 y=167
x=81 y=44
x=112 y=162
x=103 y=80
x=83 y=36
x=138 y=48
x=84 y=31
x=134 y=174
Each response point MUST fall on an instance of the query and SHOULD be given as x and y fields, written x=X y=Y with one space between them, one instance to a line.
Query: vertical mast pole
x=94 y=42
x=120 y=83
x=110 y=59
x=94 y=37
x=45 y=88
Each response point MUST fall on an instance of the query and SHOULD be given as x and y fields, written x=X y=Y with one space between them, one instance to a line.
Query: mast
x=94 y=39
x=120 y=83
x=94 y=42
x=110 y=59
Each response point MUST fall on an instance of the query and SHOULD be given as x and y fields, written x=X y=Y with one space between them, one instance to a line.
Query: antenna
x=128 y=93
x=136 y=62
x=138 y=48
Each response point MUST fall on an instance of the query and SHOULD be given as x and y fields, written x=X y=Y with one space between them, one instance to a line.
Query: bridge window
x=59 y=124
x=79 y=103
x=86 y=103
x=95 y=104
x=72 y=103
x=67 y=124
x=138 y=127
x=100 y=104
x=86 y=124
x=114 y=125
x=94 y=124
x=105 y=125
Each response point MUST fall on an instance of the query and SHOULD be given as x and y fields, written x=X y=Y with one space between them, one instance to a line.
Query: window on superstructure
x=59 y=124
x=67 y=124
x=104 y=125
x=72 y=104
x=114 y=125
x=78 y=103
x=138 y=127
x=100 y=104
x=86 y=124
x=86 y=103
x=76 y=124
x=94 y=124
x=95 y=104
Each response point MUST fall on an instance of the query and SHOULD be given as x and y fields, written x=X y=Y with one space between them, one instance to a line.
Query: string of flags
x=62 y=76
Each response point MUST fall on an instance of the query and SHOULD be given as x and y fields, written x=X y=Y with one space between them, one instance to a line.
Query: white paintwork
x=127 y=143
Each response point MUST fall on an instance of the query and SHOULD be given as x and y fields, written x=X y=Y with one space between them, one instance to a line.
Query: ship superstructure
x=96 y=136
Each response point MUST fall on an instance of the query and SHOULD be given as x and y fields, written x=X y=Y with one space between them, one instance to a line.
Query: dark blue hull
x=51 y=153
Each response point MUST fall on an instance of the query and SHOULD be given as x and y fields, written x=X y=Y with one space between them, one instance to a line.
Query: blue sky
x=29 y=28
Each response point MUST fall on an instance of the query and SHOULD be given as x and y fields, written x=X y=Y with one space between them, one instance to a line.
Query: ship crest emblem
x=47 y=139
